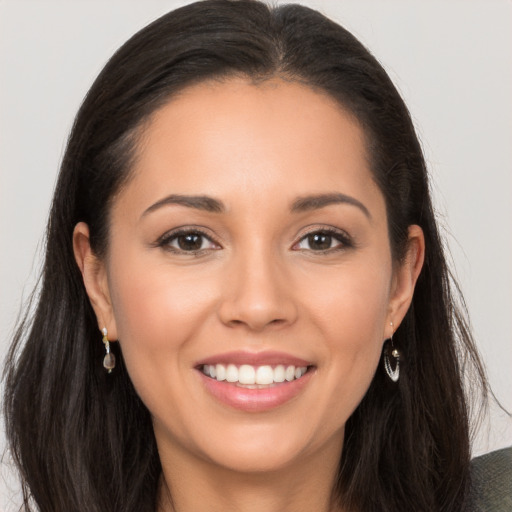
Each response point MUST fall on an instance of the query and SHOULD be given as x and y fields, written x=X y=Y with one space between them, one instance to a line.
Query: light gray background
x=452 y=61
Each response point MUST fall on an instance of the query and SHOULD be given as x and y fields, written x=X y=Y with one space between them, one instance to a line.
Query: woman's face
x=251 y=244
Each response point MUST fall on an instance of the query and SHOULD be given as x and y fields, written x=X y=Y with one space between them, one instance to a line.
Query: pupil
x=190 y=242
x=319 y=241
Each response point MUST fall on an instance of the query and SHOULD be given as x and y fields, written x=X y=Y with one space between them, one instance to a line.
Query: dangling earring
x=109 y=361
x=390 y=350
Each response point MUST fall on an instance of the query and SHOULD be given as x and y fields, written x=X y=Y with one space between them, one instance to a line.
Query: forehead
x=234 y=137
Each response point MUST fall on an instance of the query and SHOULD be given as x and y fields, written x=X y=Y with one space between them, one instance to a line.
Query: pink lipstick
x=254 y=382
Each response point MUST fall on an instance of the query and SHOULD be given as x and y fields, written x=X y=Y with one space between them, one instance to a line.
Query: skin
x=259 y=284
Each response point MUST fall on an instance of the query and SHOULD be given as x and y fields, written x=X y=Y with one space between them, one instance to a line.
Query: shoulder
x=491 y=482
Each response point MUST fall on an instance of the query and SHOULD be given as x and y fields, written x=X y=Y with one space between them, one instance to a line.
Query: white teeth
x=264 y=375
x=232 y=373
x=250 y=375
x=279 y=373
x=221 y=372
x=246 y=374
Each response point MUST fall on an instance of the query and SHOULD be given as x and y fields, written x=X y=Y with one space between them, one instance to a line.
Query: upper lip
x=263 y=358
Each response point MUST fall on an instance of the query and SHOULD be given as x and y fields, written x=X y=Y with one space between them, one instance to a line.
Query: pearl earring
x=390 y=350
x=109 y=361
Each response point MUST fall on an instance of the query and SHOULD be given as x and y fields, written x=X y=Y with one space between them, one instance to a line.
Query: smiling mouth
x=254 y=377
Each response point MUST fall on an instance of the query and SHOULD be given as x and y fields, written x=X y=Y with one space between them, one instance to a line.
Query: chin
x=266 y=449
x=256 y=460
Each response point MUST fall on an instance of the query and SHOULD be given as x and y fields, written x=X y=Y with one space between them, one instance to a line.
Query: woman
x=243 y=205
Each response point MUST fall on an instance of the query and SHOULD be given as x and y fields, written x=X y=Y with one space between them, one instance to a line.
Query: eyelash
x=343 y=238
x=165 y=241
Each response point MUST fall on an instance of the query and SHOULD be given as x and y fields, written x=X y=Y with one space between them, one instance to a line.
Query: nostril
x=277 y=322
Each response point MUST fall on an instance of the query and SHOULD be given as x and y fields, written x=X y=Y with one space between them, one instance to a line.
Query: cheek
x=351 y=304
x=157 y=311
x=349 y=314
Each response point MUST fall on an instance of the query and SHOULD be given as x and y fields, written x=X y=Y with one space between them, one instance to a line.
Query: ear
x=94 y=274
x=405 y=277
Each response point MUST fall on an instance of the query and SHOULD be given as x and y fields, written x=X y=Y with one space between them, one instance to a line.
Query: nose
x=257 y=293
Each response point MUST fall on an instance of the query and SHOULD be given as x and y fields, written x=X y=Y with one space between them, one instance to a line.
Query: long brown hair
x=83 y=440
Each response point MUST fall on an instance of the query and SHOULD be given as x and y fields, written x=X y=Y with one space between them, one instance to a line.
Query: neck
x=188 y=486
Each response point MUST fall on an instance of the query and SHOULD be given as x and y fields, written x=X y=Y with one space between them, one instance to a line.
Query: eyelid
x=345 y=239
x=164 y=240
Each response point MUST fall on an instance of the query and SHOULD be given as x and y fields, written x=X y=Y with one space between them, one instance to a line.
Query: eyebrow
x=314 y=202
x=302 y=204
x=204 y=203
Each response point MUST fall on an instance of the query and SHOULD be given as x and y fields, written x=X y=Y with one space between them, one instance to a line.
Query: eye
x=187 y=241
x=322 y=241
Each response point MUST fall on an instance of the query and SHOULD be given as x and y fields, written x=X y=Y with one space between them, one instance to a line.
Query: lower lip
x=255 y=400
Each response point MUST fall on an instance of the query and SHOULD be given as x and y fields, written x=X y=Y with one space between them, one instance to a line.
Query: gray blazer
x=491 y=487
